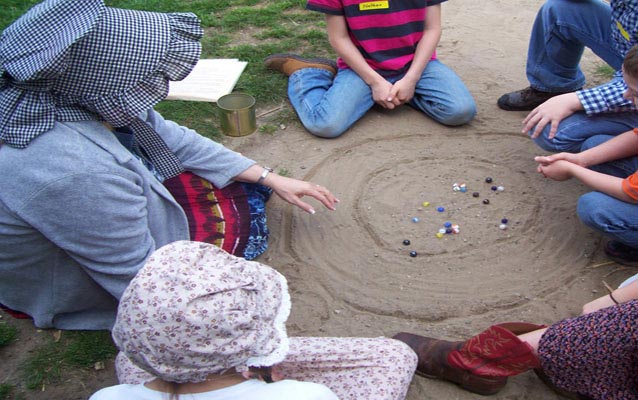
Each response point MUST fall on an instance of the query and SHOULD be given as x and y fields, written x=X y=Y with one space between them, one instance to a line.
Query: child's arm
x=621 y=295
x=343 y=46
x=563 y=166
x=562 y=170
x=403 y=89
x=622 y=146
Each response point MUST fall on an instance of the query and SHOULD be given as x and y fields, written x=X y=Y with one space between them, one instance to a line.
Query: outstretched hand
x=292 y=191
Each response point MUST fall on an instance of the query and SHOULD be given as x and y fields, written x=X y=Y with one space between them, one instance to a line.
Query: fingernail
x=311 y=211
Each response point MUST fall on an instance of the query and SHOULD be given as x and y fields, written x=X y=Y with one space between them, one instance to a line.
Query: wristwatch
x=264 y=175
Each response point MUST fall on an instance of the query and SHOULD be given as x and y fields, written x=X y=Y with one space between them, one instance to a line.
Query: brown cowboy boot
x=287 y=64
x=482 y=363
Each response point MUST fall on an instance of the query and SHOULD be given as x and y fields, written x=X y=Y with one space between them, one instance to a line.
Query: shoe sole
x=316 y=60
x=507 y=107
x=468 y=387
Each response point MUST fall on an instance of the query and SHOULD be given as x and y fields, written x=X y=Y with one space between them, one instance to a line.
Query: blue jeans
x=561 y=31
x=614 y=218
x=327 y=107
x=574 y=130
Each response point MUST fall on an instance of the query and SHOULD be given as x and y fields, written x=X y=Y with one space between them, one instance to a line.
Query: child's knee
x=461 y=114
x=328 y=129
x=589 y=210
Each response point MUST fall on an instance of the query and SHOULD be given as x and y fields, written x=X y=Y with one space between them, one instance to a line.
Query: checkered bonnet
x=75 y=60
x=194 y=310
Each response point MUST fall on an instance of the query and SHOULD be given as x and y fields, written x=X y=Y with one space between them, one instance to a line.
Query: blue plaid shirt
x=609 y=97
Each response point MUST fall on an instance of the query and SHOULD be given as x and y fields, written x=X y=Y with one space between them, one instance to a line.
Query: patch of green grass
x=8 y=333
x=283 y=172
x=200 y=116
x=5 y=391
x=268 y=128
x=12 y=9
x=85 y=348
x=75 y=349
x=605 y=71
x=43 y=367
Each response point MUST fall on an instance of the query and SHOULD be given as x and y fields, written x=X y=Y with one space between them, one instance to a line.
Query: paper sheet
x=209 y=80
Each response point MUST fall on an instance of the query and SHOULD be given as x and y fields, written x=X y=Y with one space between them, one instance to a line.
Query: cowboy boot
x=480 y=364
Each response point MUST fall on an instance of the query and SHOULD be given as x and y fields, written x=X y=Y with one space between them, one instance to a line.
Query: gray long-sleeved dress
x=79 y=215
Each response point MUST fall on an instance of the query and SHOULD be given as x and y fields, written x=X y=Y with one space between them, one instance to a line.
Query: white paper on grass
x=209 y=80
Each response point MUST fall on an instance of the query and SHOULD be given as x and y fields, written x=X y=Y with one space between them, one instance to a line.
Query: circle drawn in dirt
x=380 y=200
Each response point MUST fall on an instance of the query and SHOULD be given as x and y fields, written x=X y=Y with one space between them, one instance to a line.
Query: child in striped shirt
x=387 y=56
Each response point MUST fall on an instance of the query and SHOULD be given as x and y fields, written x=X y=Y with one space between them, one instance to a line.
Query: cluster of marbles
x=448 y=227
x=503 y=224
x=459 y=188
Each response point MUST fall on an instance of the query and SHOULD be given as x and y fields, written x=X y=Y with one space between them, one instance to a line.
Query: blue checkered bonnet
x=78 y=60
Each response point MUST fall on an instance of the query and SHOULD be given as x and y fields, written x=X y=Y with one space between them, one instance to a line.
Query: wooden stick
x=602 y=264
x=270 y=111
x=608 y=287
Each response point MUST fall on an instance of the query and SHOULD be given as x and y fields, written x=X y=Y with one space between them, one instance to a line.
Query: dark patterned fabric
x=232 y=218
x=595 y=355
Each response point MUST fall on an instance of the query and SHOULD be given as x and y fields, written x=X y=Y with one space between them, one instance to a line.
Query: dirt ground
x=349 y=272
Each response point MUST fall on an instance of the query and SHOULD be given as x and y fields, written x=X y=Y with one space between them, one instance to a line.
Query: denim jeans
x=574 y=130
x=614 y=218
x=561 y=31
x=327 y=107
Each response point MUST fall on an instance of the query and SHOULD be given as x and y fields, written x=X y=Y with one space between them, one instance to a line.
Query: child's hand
x=381 y=94
x=559 y=170
x=551 y=112
x=574 y=158
x=402 y=91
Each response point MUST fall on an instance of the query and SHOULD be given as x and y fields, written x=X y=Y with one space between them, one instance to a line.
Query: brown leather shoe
x=433 y=363
x=287 y=64
x=525 y=100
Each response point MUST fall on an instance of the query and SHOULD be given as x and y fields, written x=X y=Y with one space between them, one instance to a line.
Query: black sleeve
x=433 y=2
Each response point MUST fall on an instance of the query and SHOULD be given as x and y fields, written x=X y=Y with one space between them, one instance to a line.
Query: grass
x=605 y=71
x=75 y=349
x=8 y=392
x=8 y=333
x=248 y=30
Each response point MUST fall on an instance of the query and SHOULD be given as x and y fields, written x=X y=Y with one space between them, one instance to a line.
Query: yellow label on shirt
x=622 y=30
x=374 y=5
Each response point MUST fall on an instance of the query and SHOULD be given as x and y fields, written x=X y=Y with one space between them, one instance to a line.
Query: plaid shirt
x=609 y=97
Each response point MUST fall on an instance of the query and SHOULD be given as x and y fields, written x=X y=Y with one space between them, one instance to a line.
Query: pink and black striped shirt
x=386 y=32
